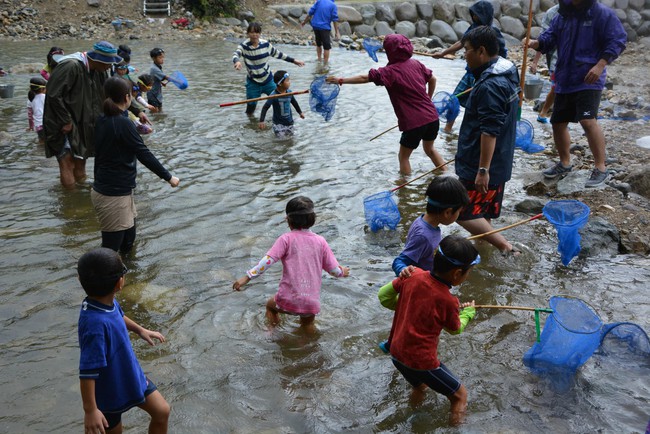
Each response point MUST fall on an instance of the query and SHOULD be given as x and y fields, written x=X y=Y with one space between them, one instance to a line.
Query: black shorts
x=481 y=205
x=411 y=138
x=574 y=107
x=441 y=379
x=323 y=38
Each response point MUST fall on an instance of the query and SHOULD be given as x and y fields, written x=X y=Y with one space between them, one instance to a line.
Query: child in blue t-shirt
x=446 y=197
x=111 y=379
x=282 y=118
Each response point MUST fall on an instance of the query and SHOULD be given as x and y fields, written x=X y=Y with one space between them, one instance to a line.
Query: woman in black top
x=118 y=147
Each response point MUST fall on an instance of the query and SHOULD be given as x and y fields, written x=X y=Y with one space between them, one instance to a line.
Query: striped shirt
x=257 y=59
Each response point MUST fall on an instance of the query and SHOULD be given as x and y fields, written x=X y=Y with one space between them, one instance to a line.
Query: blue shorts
x=114 y=419
x=428 y=133
x=255 y=90
x=441 y=379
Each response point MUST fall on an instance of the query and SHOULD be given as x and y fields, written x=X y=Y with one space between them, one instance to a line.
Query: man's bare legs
x=481 y=226
x=326 y=56
x=562 y=140
x=71 y=170
x=319 y=53
x=596 y=140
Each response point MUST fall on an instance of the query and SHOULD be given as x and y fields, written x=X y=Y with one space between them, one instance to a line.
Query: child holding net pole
x=410 y=86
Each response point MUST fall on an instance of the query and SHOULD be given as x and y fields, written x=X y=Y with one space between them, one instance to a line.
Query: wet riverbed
x=222 y=370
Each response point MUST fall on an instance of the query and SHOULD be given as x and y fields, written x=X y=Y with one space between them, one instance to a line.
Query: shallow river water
x=221 y=368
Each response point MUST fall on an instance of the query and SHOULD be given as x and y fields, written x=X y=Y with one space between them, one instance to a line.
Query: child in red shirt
x=424 y=308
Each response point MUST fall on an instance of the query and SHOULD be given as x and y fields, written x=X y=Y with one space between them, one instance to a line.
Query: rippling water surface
x=222 y=370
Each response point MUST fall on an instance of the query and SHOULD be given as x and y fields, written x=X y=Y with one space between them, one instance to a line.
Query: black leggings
x=121 y=241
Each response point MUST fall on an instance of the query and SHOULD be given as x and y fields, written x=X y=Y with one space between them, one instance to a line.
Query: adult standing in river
x=320 y=15
x=588 y=36
x=486 y=143
x=74 y=101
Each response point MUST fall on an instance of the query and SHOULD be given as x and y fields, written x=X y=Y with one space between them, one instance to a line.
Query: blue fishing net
x=525 y=136
x=447 y=105
x=381 y=211
x=322 y=97
x=570 y=336
x=372 y=46
x=568 y=216
x=178 y=79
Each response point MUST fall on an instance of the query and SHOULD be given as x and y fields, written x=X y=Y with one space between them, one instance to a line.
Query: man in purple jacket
x=588 y=36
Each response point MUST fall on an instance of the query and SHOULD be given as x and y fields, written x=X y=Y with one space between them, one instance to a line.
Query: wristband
x=340 y=82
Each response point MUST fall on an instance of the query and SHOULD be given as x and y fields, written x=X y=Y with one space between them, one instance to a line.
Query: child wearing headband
x=446 y=196
x=304 y=256
x=426 y=307
x=282 y=118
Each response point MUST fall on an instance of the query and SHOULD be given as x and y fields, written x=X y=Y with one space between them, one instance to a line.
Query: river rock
x=406 y=12
x=444 y=10
x=436 y=42
x=511 y=9
x=443 y=30
x=620 y=13
x=382 y=28
x=246 y=15
x=283 y=11
x=405 y=28
x=364 y=30
x=460 y=27
x=345 y=29
x=277 y=23
x=574 y=182
x=609 y=3
x=462 y=11
x=535 y=31
x=425 y=11
x=94 y=3
x=639 y=179
x=496 y=5
x=526 y=5
x=530 y=206
x=622 y=4
x=368 y=9
x=645 y=42
x=385 y=14
x=513 y=26
x=349 y=14
x=598 y=237
x=421 y=29
x=545 y=5
x=637 y=5
x=634 y=18
x=644 y=29
x=368 y=14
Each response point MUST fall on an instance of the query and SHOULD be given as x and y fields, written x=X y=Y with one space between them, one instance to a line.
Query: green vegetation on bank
x=212 y=8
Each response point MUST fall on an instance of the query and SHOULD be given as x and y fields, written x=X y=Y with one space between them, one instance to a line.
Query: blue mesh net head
x=322 y=97
x=447 y=105
x=381 y=211
x=568 y=216
x=372 y=46
x=623 y=338
x=570 y=336
x=178 y=79
x=525 y=136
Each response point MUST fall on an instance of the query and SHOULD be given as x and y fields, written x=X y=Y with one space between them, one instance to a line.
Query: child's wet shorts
x=283 y=131
x=114 y=419
x=428 y=133
x=482 y=205
x=441 y=380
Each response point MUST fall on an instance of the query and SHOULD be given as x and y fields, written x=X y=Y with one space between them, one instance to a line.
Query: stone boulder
x=639 y=179
x=462 y=11
x=634 y=18
x=421 y=29
x=545 y=5
x=444 y=10
x=406 y=12
x=349 y=14
x=443 y=30
x=405 y=28
x=436 y=42
x=511 y=9
x=385 y=13
x=512 y=26
x=620 y=13
x=368 y=14
x=295 y=12
x=345 y=29
x=526 y=5
x=363 y=30
x=460 y=27
x=599 y=237
x=609 y=3
x=425 y=11
x=496 y=5
x=246 y=15
x=644 y=29
x=622 y=4
x=637 y=5
x=382 y=28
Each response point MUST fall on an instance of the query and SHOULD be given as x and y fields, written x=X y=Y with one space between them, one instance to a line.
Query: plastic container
x=117 y=24
x=533 y=88
x=6 y=90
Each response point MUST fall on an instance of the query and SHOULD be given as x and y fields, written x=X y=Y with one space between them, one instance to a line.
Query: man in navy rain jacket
x=588 y=36
x=486 y=143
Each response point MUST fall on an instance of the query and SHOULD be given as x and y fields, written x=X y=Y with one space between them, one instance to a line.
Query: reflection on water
x=222 y=369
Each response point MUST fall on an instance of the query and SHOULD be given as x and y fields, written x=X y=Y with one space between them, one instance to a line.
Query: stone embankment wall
x=445 y=21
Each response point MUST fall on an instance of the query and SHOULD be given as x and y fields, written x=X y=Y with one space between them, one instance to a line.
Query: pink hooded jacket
x=406 y=81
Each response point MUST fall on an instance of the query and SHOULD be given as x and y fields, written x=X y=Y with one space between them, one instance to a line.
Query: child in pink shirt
x=304 y=256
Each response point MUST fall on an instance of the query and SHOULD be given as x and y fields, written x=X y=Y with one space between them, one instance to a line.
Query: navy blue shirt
x=118 y=148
